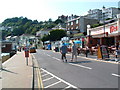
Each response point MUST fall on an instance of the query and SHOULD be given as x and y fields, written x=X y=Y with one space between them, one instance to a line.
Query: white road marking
x=48 y=55
x=56 y=58
x=47 y=79
x=42 y=72
x=67 y=87
x=74 y=64
x=115 y=75
x=52 y=84
x=45 y=75
x=80 y=66
x=59 y=79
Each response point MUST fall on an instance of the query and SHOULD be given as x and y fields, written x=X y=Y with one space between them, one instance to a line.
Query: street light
x=0 y=49
x=88 y=29
x=104 y=23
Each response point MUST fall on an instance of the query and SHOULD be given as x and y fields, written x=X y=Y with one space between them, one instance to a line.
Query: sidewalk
x=16 y=74
x=94 y=57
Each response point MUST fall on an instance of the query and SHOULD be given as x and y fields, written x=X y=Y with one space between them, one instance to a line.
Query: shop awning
x=78 y=35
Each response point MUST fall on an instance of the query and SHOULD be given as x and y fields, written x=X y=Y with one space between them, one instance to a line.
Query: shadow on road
x=9 y=71
x=81 y=62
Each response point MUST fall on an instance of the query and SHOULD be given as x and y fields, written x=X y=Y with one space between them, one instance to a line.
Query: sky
x=42 y=10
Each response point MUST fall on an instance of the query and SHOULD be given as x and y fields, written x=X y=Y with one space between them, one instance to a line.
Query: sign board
x=99 y=54
x=104 y=52
x=26 y=53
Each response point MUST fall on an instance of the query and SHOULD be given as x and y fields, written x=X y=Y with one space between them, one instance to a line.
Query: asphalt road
x=81 y=74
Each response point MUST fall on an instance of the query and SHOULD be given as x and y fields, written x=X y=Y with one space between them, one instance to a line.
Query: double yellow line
x=39 y=77
x=40 y=83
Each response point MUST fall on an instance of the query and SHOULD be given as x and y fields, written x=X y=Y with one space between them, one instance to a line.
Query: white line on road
x=48 y=55
x=45 y=75
x=56 y=58
x=47 y=79
x=115 y=75
x=59 y=79
x=52 y=84
x=80 y=66
x=67 y=87
x=74 y=64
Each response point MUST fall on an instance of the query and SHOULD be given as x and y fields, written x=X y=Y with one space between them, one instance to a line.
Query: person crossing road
x=63 y=51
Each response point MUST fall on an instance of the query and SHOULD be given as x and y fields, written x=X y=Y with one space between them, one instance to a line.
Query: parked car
x=32 y=50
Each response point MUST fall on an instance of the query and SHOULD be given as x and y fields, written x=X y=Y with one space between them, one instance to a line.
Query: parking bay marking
x=47 y=79
x=60 y=80
x=52 y=84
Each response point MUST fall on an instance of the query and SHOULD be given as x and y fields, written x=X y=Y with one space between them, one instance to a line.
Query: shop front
x=108 y=36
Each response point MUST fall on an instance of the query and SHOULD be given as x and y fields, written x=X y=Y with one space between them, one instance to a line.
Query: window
x=68 y=24
x=71 y=23
x=77 y=21
x=76 y=27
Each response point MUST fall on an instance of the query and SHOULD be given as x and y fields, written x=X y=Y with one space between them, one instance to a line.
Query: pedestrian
x=74 y=52
x=63 y=51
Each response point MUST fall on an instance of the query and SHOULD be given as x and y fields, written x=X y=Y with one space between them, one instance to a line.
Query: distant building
x=79 y=24
x=95 y=14
x=60 y=26
x=41 y=33
x=26 y=39
x=63 y=17
x=119 y=5
x=104 y=13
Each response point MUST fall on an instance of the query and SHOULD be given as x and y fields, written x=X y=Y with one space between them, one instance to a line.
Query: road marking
x=40 y=83
x=56 y=58
x=74 y=64
x=67 y=87
x=52 y=84
x=80 y=66
x=47 y=79
x=59 y=79
x=115 y=75
x=45 y=75
x=42 y=72
x=48 y=55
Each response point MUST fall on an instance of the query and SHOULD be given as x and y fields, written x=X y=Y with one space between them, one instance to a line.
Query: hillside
x=21 y=25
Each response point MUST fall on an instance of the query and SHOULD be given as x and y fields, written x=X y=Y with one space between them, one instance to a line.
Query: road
x=84 y=73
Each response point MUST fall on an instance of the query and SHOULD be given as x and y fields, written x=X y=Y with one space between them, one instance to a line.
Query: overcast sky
x=42 y=10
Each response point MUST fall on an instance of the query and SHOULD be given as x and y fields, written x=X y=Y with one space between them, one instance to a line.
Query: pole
x=27 y=61
x=0 y=50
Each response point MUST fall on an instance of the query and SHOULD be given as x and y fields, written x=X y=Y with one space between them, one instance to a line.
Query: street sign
x=104 y=51
x=26 y=53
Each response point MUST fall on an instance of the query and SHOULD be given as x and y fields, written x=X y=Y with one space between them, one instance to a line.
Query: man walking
x=63 y=51
x=74 y=51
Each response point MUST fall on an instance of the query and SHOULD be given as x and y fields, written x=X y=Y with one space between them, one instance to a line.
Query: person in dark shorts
x=63 y=51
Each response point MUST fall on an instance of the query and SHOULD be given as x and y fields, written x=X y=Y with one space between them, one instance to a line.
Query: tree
x=57 y=34
x=45 y=38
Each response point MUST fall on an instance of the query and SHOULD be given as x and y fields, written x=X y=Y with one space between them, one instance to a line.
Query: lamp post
x=0 y=49
x=104 y=23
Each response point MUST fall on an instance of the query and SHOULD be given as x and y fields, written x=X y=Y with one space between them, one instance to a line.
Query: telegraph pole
x=0 y=49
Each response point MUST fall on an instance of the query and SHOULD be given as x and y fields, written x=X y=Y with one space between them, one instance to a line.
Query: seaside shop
x=110 y=35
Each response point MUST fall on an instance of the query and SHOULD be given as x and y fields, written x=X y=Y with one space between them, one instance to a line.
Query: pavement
x=16 y=74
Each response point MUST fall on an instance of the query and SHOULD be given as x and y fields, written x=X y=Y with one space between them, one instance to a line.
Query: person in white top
x=74 y=52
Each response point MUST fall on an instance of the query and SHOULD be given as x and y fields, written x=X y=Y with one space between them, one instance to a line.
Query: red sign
x=113 y=29
x=26 y=53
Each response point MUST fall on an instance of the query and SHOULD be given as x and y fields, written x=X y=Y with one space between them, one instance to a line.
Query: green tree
x=57 y=34
x=45 y=38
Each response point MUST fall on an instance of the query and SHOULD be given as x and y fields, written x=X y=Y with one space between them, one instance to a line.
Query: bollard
x=86 y=53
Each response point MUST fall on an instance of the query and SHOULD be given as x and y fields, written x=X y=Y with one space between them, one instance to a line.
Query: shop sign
x=95 y=32
x=113 y=28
